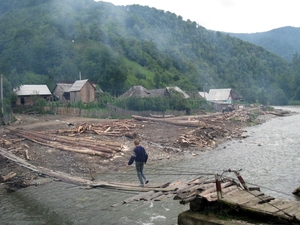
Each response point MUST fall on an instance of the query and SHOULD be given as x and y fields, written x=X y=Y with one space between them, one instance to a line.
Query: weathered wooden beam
x=7 y=176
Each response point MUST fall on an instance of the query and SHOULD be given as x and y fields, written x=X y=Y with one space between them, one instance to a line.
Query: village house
x=29 y=94
x=222 y=99
x=80 y=90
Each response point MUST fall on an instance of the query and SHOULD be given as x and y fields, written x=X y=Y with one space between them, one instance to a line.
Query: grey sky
x=237 y=16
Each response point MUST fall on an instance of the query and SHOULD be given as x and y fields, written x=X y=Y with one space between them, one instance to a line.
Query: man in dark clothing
x=140 y=157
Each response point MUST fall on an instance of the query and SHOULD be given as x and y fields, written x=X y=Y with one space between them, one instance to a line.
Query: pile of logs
x=17 y=146
x=73 y=144
x=208 y=128
x=114 y=128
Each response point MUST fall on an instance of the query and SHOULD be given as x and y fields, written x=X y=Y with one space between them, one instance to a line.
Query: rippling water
x=269 y=158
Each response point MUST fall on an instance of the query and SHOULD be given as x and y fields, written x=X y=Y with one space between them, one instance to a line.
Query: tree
x=296 y=96
x=278 y=97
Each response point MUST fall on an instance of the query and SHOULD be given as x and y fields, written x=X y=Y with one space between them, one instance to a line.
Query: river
x=269 y=158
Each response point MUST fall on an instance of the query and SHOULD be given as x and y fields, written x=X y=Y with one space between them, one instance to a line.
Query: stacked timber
x=73 y=144
x=112 y=128
x=208 y=128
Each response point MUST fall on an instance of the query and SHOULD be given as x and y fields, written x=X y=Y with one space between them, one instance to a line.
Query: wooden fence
x=109 y=112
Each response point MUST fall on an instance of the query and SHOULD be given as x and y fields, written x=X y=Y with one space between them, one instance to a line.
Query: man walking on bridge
x=140 y=157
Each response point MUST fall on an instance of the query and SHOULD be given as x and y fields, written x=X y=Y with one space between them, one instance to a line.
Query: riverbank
x=163 y=140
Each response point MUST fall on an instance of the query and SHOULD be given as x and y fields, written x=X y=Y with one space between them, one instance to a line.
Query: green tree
x=279 y=97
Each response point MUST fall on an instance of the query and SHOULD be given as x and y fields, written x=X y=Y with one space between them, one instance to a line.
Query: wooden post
x=218 y=186
x=241 y=180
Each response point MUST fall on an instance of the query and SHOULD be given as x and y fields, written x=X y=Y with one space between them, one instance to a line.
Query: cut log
x=56 y=174
x=54 y=143
x=195 y=123
x=26 y=154
x=7 y=177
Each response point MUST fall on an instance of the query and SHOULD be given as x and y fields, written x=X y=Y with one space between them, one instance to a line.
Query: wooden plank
x=265 y=199
x=297 y=214
x=127 y=188
x=214 y=196
x=186 y=189
x=277 y=208
x=181 y=187
x=281 y=204
x=243 y=192
x=262 y=208
x=147 y=195
x=201 y=180
x=134 y=198
x=213 y=189
x=163 y=197
x=196 y=180
x=117 y=204
x=230 y=189
x=149 y=185
x=183 y=195
x=241 y=197
x=157 y=194
x=175 y=184
x=196 y=188
x=207 y=186
x=293 y=210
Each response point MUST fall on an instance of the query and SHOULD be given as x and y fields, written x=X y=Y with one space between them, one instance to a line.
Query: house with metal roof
x=220 y=95
x=29 y=94
x=222 y=99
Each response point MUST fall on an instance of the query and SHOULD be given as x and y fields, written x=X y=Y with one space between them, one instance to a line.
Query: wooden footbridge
x=200 y=193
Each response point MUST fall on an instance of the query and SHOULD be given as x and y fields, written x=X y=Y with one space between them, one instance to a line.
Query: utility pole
x=2 y=112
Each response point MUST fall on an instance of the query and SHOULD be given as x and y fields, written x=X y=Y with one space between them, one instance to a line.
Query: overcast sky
x=237 y=16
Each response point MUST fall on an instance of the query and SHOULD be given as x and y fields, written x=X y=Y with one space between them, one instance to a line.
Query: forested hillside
x=284 y=41
x=49 y=41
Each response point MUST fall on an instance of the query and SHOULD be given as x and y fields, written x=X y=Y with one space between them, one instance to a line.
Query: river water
x=269 y=158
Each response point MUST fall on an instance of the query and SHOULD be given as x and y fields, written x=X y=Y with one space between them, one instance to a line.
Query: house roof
x=78 y=84
x=137 y=91
x=140 y=91
x=175 y=88
x=218 y=94
x=62 y=87
x=158 y=92
x=203 y=94
x=34 y=89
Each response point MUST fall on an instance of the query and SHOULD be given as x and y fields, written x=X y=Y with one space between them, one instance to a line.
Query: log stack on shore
x=73 y=144
x=208 y=128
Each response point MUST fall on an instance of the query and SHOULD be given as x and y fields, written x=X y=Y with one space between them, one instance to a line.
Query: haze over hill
x=284 y=41
x=49 y=41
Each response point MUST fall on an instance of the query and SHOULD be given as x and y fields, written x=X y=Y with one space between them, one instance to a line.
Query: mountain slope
x=117 y=47
x=284 y=41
